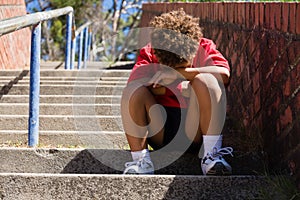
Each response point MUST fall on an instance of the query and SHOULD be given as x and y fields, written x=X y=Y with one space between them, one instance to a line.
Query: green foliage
x=80 y=8
x=57 y=32
x=279 y=187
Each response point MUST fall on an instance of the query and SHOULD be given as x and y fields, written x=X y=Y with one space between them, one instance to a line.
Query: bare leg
x=141 y=117
x=207 y=106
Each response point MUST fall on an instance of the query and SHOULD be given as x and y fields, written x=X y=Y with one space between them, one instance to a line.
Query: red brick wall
x=262 y=43
x=14 y=47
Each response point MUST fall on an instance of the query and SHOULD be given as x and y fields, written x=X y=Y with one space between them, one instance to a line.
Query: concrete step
x=104 y=161
x=87 y=116
x=90 y=172
x=64 y=122
x=84 y=186
x=19 y=74
x=63 y=78
x=67 y=82
x=90 y=65
x=97 y=99
x=67 y=139
x=61 y=109
x=65 y=90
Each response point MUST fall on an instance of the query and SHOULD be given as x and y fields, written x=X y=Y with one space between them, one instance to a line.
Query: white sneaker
x=214 y=164
x=142 y=166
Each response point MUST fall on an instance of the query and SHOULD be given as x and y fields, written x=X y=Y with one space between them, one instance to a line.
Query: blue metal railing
x=84 y=36
x=34 y=20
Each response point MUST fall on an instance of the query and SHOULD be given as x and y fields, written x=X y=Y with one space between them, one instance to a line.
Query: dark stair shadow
x=6 y=88
x=109 y=161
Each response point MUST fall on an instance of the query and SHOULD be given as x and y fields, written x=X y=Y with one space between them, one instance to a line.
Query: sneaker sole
x=218 y=169
x=132 y=172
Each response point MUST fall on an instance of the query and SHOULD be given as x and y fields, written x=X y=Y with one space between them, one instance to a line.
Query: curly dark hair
x=175 y=37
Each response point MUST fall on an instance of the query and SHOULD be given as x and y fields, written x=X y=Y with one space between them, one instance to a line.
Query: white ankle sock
x=211 y=141
x=136 y=155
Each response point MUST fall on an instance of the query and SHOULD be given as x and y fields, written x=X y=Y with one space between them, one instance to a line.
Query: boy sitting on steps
x=175 y=96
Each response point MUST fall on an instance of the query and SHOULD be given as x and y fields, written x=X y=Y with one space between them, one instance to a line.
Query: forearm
x=221 y=73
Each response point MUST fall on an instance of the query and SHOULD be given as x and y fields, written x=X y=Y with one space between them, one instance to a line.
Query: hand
x=164 y=77
x=158 y=90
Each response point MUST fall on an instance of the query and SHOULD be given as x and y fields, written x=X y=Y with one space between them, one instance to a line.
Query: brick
x=259 y=121
x=277 y=15
x=173 y=6
x=190 y=8
x=297 y=101
x=257 y=105
x=285 y=17
x=278 y=129
x=287 y=117
x=287 y=87
x=256 y=14
x=202 y=9
x=216 y=11
x=225 y=12
x=292 y=17
x=298 y=19
x=256 y=81
x=241 y=13
x=235 y=19
x=231 y=12
x=17 y=42
x=205 y=12
x=267 y=19
x=221 y=12
x=292 y=52
x=262 y=14
x=197 y=10
x=209 y=12
x=236 y=13
x=252 y=16
x=247 y=14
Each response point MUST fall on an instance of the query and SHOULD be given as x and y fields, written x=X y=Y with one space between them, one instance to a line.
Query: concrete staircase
x=82 y=147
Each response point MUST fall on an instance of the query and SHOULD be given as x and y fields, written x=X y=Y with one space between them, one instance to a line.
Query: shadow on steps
x=104 y=161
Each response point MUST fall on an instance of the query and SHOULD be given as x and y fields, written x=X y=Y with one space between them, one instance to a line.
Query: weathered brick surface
x=262 y=43
x=15 y=47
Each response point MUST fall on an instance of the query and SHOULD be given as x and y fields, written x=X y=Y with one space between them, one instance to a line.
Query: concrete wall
x=14 y=47
x=262 y=43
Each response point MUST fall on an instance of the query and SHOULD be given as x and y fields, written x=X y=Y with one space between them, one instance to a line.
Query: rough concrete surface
x=58 y=186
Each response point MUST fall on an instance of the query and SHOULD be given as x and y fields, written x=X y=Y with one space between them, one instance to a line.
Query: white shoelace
x=220 y=152
x=141 y=163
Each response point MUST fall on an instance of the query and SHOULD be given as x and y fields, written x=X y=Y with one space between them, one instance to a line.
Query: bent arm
x=221 y=73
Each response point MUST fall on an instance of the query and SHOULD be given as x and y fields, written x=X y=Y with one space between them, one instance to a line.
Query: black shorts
x=174 y=125
x=174 y=132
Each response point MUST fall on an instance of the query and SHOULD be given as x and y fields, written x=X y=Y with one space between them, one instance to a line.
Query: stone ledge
x=63 y=186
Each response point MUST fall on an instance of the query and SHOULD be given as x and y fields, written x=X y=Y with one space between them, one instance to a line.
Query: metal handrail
x=81 y=28
x=83 y=33
x=34 y=20
x=16 y=23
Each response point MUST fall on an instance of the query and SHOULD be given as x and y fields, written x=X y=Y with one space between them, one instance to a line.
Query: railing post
x=86 y=48
x=73 y=53
x=68 y=41
x=89 y=44
x=80 y=49
x=34 y=93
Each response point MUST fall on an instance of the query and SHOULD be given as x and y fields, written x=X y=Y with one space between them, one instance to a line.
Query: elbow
x=226 y=78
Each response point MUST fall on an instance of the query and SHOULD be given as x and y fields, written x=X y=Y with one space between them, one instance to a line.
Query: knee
x=207 y=83
x=135 y=94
